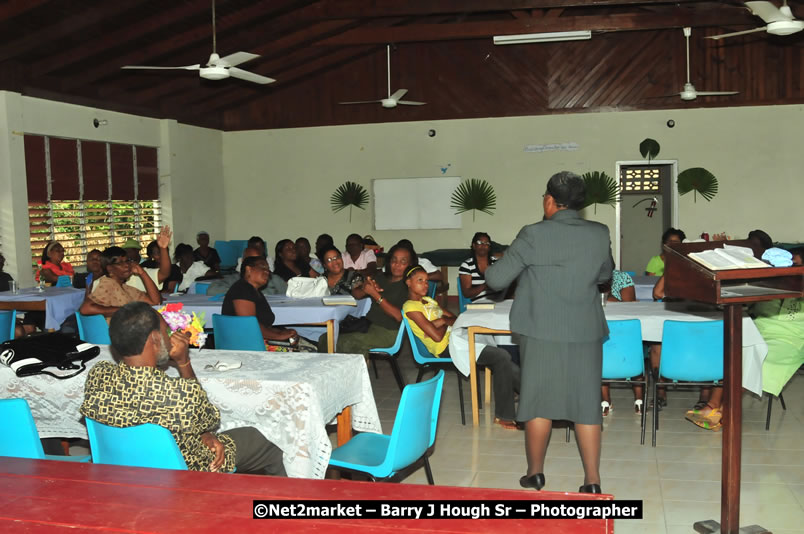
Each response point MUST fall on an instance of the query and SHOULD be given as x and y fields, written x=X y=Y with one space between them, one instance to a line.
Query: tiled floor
x=679 y=480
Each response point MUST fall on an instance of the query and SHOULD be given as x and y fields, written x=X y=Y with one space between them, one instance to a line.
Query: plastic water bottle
x=41 y=281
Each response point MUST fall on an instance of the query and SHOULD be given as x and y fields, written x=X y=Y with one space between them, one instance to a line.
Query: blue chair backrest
x=64 y=281
x=630 y=273
x=462 y=301
x=420 y=352
x=237 y=333
x=7 y=320
x=623 y=355
x=432 y=287
x=239 y=245
x=692 y=350
x=415 y=423
x=393 y=349
x=227 y=253
x=20 y=437
x=136 y=446
x=201 y=288
x=93 y=329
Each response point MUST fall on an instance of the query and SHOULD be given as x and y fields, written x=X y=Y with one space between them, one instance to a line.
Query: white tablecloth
x=651 y=314
x=288 y=311
x=60 y=302
x=288 y=397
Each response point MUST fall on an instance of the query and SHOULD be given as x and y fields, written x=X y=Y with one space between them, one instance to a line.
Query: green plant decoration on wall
x=473 y=194
x=600 y=189
x=347 y=195
x=699 y=181
x=649 y=148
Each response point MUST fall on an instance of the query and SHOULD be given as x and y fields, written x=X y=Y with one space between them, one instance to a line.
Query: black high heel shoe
x=533 y=481
x=590 y=488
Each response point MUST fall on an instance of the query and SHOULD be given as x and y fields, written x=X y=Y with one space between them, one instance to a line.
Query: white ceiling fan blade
x=236 y=59
x=363 y=102
x=399 y=93
x=766 y=11
x=410 y=103
x=186 y=67
x=724 y=35
x=717 y=93
x=241 y=74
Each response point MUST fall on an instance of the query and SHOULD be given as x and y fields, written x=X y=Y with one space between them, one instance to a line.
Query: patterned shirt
x=107 y=292
x=619 y=281
x=121 y=396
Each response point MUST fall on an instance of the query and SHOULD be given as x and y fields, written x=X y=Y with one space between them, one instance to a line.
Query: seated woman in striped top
x=432 y=325
x=472 y=271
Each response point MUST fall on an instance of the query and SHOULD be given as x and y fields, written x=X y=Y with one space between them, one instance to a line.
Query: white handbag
x=300 y=287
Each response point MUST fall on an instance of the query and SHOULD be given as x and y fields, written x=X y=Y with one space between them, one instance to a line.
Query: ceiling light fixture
x=550 y=37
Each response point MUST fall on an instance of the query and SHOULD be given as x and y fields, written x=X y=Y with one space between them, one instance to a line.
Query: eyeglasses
x=480 y=243
x=333 y=258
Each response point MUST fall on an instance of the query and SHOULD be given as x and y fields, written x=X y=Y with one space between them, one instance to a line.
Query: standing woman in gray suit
x=559 y=263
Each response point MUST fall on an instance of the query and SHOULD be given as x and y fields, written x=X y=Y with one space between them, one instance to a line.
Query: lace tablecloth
x=288 y=397
x=652 y=316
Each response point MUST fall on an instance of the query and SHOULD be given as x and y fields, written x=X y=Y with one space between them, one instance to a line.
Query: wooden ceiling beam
x=486 y=29
x=74 y=24
x=391 y=8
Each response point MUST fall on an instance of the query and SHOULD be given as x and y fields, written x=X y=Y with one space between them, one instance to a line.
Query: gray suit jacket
x=558 y=263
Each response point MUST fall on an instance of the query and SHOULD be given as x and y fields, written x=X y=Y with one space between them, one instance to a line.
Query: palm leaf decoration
x=474 y=194
x=347 y=195
x=600 y=189
x=699 y=181
x=649 y=148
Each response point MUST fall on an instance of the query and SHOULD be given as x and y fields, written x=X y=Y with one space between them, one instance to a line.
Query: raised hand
x=163 y=239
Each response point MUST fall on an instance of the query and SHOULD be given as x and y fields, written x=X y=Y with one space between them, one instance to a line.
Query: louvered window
x=88 y=194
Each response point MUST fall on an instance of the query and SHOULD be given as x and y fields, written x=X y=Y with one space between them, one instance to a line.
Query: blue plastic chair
x=692 y=353
x=432 y=287
x=145 y=445
x=20 y=438
x=384 y=457
x=632 y=274
x=624 y=359
x=426 y=361
x=201 y=288
x=93 y=329
x=462 y=301
x=390 y=354
x=64 y=281
x=237 y=333
x=227 y=253
x=7 y=322
x=239 y=245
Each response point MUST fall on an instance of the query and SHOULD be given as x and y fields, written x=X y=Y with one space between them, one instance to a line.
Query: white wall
x=190 y=167
x=278 y=182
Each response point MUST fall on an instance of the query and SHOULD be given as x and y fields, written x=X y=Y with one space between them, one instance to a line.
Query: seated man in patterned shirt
x=135 y=391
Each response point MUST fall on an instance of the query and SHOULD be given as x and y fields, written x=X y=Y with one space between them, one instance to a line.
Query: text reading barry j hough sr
x=448 y=509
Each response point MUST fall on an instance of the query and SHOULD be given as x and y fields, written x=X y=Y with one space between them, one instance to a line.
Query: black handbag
x=351 y=324
x=54 y=354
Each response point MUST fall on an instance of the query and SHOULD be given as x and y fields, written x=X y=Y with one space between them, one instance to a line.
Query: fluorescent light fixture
x=542 y=37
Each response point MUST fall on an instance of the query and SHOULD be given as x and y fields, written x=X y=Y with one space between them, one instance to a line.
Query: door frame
x=673 y=198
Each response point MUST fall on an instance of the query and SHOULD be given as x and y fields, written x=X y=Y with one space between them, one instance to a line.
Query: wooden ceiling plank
x=359 y=8
x=116 y=36
x=9 y=10
x=74 y=24
x=485 y=29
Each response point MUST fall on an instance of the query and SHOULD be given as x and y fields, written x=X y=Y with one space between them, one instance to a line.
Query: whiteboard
x=415 y=203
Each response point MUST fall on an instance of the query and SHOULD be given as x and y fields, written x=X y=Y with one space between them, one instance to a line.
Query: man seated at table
x=135 y=391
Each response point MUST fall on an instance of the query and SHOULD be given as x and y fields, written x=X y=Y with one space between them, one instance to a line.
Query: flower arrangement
x=181 y=321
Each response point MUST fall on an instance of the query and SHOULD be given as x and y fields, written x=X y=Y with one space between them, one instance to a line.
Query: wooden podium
x=685 y=278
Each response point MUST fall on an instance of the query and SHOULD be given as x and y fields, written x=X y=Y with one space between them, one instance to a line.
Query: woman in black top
x=339 y=280
x=288 y=264
x=245 y=299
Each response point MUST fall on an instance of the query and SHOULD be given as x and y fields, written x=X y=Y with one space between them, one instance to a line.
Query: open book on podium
x=722 y=272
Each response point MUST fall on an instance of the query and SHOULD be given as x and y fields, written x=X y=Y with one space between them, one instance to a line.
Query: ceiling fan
x=689 y=92
x=393 y=99
x=218 y=68
x=779 y=20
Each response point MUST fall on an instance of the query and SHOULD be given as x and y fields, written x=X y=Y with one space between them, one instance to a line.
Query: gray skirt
x=560 y=380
